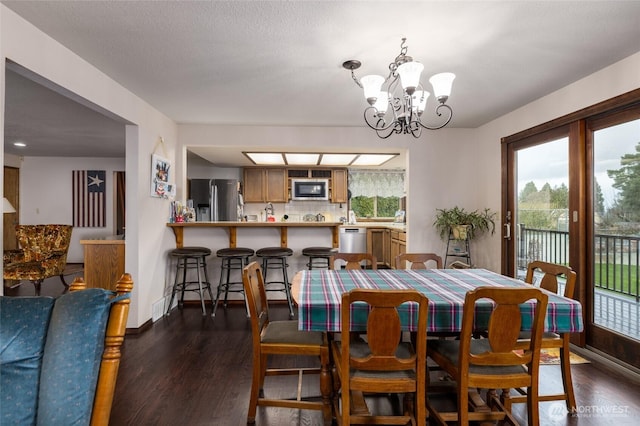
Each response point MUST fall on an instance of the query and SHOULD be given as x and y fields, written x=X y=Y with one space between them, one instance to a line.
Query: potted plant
x=463 y=224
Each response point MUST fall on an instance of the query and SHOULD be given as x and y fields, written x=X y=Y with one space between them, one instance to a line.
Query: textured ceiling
x=279 y=63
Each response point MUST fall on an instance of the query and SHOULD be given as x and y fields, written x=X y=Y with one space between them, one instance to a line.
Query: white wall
x=47 y=196
x=148 y=238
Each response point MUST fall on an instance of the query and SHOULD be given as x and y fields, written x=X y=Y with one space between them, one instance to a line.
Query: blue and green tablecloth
x=320 y=293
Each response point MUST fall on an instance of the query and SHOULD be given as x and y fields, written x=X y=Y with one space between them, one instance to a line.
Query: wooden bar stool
x=276 y=258
x=319 y=257
x=232 y=259
x=190 y=258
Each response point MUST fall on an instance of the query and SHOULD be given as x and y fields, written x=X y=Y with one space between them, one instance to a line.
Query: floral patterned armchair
x=42 y=254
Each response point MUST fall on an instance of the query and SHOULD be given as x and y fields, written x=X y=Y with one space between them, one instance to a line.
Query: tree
x=544 y=208
x=627 y=180
x=598 y=199
x=560 y=197
x=529 y=188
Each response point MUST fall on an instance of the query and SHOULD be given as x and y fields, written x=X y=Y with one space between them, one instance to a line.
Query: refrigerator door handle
x=214 y=203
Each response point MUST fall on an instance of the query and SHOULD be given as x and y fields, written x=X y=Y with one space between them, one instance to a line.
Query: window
x=376 y=193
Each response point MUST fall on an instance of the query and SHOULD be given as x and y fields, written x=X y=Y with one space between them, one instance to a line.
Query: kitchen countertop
x=232 y=227
x=178 y=228
x=390 y=225
x=252 y=224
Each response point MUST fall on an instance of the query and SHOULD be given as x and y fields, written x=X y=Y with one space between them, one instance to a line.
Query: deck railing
x=616 y=257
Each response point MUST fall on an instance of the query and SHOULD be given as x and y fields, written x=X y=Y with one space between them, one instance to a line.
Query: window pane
x=542 y=211
x=616 y=212
x=387 y=206
x=362 y=206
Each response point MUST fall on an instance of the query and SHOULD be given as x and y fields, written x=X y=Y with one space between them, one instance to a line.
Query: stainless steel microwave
x=309 y=189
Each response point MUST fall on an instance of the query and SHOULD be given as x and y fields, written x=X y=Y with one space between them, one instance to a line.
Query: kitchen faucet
x=269 y=210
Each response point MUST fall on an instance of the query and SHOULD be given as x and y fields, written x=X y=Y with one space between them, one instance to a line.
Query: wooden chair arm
x=114 y=338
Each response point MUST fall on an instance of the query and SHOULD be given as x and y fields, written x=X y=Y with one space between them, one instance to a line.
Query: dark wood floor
x=192 y=370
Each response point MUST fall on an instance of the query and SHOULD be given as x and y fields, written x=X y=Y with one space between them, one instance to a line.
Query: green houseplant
x=464 y=224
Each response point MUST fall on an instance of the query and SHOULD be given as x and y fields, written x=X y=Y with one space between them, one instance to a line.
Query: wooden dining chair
x=273 y=338
x=549 y=280
x=418 y=260
x=493 y=362
x=354 y=260
x=381 y=364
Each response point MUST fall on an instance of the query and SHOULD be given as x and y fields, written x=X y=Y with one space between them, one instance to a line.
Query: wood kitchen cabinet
x=378 y=245
x=398 y=245
x=103 y=263
x=265 y=185
x=339 y=186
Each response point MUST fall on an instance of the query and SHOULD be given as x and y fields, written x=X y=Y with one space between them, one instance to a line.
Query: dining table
x=318 y=295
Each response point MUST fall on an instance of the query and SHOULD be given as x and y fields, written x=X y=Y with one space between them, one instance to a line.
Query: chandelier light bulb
x=442 y=85
x=382 y=103
x=419 y=100
x=410 y=75
x=371 y=85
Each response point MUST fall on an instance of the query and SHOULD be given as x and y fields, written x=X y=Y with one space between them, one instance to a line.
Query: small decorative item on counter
x=180 y=213
x=285 y=217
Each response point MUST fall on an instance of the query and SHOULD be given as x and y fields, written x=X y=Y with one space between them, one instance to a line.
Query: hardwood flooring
x=193 y=370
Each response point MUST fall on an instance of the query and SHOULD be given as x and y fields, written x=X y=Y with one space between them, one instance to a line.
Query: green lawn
x=620 y=278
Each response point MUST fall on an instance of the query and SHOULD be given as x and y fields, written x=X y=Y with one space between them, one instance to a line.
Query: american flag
x=89 y=209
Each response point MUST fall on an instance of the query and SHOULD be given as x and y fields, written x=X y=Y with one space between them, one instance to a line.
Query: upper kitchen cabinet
x=265 y=185
x=339 y=186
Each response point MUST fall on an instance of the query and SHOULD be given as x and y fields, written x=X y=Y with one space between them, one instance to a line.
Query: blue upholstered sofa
x=59 y=357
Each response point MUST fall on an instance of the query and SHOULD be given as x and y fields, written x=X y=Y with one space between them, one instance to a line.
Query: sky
x=548 y=163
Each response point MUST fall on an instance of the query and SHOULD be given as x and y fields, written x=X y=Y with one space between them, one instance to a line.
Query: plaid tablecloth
x=321 y=291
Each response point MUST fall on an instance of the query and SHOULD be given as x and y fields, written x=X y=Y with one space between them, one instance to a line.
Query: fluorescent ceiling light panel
x=262 y=158
x=337 y=159
x=301 y=158
x=372 y=159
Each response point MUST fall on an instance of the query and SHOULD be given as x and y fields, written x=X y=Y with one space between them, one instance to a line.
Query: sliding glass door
x=614 y=258
x=538 y=202
x=571 y=195
x=542 y=210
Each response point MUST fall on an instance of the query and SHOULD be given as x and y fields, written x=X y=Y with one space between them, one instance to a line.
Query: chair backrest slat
x=418 y=260
x=504 y=326
x=354 y=260
x=550 y=274
x=384 y=328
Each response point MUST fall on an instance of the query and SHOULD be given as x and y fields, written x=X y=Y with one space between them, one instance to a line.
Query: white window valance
x=381 y=183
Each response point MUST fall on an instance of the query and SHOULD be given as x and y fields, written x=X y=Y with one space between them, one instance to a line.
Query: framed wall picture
x=160 y=177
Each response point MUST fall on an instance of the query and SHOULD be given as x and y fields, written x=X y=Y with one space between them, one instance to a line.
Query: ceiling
x=280 y=62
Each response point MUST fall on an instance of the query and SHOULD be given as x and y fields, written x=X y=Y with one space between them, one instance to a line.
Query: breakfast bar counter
x=179 y=227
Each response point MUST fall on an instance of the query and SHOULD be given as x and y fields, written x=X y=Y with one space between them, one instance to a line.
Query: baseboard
x=195 y=304
x=608 y=362
x=144 y=327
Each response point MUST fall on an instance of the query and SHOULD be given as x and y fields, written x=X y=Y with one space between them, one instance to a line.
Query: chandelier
x=403 y=94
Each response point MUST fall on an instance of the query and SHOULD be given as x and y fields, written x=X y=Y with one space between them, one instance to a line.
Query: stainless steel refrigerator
x=215 y=199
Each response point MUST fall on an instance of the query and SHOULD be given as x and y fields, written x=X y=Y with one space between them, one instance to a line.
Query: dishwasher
x=353 y=239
